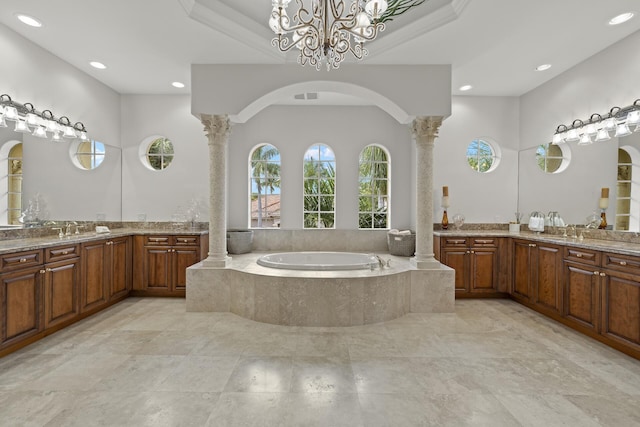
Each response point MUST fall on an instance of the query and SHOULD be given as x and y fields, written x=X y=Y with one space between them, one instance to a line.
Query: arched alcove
x=287 y=92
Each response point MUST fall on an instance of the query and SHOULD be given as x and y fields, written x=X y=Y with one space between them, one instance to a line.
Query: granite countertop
x=612 y=246
x=33 y=243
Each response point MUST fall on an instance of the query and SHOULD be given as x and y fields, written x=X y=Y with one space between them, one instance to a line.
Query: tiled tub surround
x=319 y=298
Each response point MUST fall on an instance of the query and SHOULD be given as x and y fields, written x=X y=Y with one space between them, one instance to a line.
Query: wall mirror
x=45 y=178
x=575 y=190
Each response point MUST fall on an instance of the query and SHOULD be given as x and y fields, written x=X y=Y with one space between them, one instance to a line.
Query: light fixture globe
x=603 y=135
x=622 y=129
x=40 y=132
x=376 y=8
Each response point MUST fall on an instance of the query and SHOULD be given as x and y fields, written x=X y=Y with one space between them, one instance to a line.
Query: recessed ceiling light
x=98 y=65
x=622 y=18
x=29 y=20
x=543 y=67
x=179 y=85
x=465 y=87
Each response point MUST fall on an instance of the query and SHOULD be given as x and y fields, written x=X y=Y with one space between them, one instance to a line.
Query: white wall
x=347 y=130
x=159 y=194
x=480 y=197
x=31 y=74
x=608 y=79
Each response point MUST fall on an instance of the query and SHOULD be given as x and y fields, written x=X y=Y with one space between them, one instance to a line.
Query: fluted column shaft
x=217 y=128
x=425 y=131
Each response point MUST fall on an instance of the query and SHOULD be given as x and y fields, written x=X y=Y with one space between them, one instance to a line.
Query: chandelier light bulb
x=39 y=132
x=21 y=126
x=69 y=132
x=633 y=117
x=572 y=135
x=603 y=135
x=11 y=113
x=591 y=129
x=585 y=139
x=622 y=129
x=376 y=8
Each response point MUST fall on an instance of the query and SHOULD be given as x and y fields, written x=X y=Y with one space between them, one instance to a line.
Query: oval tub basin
x=319 y=261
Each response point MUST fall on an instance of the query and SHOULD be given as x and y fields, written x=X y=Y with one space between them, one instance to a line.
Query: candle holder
x=603 y=204
x=445 y=206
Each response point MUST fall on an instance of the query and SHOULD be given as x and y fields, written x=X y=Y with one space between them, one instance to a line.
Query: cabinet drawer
x=454 y=242
x=186 y=240
x=19 y=260
x=61 y=252
x=484 y=242
x=622 y=263
x=584 y=256
x=158 y=240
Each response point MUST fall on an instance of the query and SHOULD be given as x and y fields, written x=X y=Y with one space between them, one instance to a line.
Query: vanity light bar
x=598 y=127
x=39 y=124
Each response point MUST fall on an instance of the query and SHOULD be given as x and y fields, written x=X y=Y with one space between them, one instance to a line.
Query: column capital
x=217 y=127
x=426 y=128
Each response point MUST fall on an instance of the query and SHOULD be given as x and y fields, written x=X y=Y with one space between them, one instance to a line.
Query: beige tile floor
x=146 y=362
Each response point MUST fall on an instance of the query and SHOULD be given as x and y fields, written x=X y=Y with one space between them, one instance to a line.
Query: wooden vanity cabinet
x=476 y=261
x=581 y=281
x=106 y=272
x=20 y=297
x=537 y=275
x=620 y=296
x=162 y=261
x=61 y=275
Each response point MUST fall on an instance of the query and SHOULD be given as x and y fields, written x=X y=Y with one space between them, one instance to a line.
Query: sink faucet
x=571 y=230
x=68 y=228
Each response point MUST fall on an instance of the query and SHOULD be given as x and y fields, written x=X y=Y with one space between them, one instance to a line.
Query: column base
x=427 y=263
x=211 y=262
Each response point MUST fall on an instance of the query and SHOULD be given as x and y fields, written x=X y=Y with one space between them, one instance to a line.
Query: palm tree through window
x=265 y=187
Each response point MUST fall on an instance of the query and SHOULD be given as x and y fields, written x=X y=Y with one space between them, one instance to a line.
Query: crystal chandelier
x=328 y=31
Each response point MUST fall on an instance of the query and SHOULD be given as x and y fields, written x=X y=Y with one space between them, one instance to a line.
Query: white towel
x=404 y=232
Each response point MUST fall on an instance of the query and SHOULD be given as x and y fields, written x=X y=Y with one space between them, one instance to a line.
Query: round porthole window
x=156 y=152
x=87 y=155
x=483 y=155
x=552 y=158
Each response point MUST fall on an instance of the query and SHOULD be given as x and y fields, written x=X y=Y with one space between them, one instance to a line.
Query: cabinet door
x=119 y=268
x=522 y=269
x=183 y=258
x=581 y=294
x=21 y=297
x=621 y=308
x=457 y=258
x=546 y=279
x=61 y=289
x=94 y=290
x=157 y=268
x=484 y=270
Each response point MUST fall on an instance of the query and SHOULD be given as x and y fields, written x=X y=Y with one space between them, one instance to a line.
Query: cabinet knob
x=596 y=273
x=43 y=271
x=579 y=255
x=602 y=274
x=532 y=245
x=49 y=270
x=23 y=260
x=468 y=252
x=65 y=252
x=623 y=262
x=473 y=252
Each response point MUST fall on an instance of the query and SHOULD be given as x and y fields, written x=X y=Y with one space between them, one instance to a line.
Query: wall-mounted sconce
x=39 y=124
x=618 y=120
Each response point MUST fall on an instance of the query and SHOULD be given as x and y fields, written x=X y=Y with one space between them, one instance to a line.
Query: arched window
x=87 y=155
x=628 y=190
x=319 y=174
x=14 y=190
x=264 y=192
x=374 y=188
x=11 y=175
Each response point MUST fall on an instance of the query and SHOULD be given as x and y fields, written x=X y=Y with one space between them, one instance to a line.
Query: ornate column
x=425 y=131
x=217 y=129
